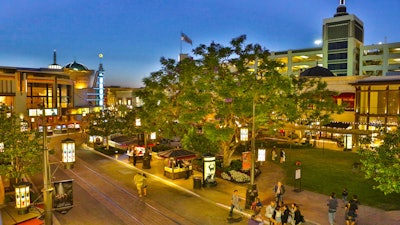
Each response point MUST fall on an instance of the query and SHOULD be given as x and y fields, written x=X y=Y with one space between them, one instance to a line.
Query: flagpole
x=181 y=46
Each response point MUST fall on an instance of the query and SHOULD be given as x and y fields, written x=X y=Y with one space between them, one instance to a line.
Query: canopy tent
x=177 y=153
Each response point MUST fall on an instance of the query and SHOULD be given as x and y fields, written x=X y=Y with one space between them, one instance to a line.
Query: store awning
x=338 y=125
x=177 y=153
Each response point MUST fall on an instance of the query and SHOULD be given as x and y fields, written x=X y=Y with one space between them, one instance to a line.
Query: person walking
x=344 y=195
x=282 y=156
x=351 y=211
x=332 y=207
x=134 y=156
x=141 y=184
x=235 y=202
x=279 y=191
x=273 y=153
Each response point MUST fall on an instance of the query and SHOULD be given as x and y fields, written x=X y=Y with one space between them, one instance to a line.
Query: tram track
x=119 y=198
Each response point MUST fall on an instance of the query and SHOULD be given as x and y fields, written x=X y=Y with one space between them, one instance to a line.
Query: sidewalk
x=10 y=216
x=312 y=205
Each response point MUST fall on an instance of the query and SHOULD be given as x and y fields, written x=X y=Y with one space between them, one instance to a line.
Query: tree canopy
x=105 y=123
x=215 y=92
x=21 y=149
x=382 y=164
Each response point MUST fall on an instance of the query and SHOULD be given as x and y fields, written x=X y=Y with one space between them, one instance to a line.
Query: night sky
x=134 y=34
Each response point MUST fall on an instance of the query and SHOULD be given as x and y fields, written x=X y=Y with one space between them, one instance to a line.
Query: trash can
x=197 y=182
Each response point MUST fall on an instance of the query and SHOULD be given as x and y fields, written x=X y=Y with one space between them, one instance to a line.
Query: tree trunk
x=228 y=152
x=2 y=193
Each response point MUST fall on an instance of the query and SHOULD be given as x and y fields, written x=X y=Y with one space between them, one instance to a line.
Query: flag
x=185 y=38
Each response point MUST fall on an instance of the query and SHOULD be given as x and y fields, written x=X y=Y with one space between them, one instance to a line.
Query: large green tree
x=382 y=164
x=223 y=89
x=22 y=149
x=105 y=123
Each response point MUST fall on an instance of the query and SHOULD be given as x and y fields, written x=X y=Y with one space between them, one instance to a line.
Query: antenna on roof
x=342 y=2
x=55 y=57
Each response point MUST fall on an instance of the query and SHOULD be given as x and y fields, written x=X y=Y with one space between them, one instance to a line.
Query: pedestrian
x=273 y=153
x=282 y=156
x=297 y=216
x=235 y=202
x=269 y=212
x=134 y=157
x=285 y=215
x=256 y=206
x=278 y=215
x=344 y=195
x=279 y=191
x=332 y=207
x=254 y=220
x=351 y=211
x=141 y=184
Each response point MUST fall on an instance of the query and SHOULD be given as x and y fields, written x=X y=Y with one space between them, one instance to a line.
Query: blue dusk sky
x=134 y=34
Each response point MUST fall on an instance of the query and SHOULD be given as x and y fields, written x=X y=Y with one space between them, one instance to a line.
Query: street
x=104 y=193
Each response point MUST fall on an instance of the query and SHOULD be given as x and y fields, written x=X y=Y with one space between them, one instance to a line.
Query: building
x=367 y=77
x=63 y=92
x=343 y=51
x=117 y=96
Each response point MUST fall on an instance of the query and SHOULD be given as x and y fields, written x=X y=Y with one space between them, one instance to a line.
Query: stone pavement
x=312 y=205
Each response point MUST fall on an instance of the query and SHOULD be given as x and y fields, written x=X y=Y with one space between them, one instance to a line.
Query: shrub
x=226 y=176
x=239 y=176
x=236 y=164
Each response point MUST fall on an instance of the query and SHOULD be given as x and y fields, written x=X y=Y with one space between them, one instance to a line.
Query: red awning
x=345 y=95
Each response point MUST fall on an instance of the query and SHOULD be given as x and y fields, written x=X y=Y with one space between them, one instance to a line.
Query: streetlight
x=22 y=193
x=68 y=152
x=22 y=197
x=47 y=188
x=244 y=134
x=252 y=192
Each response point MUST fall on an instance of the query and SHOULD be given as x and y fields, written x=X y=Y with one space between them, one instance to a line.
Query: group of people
x=351 y=208
x=282 y=155
x=276 y=213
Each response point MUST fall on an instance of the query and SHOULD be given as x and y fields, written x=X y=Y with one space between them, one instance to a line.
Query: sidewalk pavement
x=9 y=215
x=312 y=205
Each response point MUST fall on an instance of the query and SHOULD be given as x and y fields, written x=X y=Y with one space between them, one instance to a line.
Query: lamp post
x=47 y=188
x=252 y=192
x=253 y=146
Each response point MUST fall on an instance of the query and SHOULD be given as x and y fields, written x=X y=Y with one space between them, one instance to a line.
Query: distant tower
x=99 y=85
x=55 y=65
x=343 y=35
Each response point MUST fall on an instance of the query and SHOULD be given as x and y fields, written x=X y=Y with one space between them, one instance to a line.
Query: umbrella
x=177 y=153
